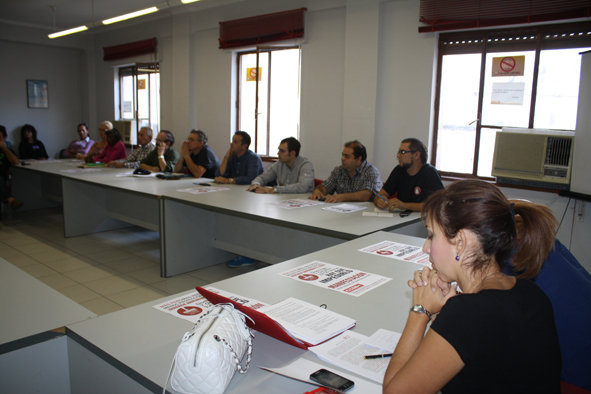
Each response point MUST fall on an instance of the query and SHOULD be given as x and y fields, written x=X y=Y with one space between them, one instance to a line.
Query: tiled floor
x=103 y=272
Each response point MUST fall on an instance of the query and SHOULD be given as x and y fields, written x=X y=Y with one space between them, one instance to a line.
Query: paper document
x=378 y=214
x=334 y=277
x=396 y=250
x=344 y=208
x=190 y=306
x=301 y=369
x=348 y=351
x=308 y=322
x=203 y=189
x=298 y=203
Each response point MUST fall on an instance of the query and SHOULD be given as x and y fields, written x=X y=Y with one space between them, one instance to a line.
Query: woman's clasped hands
x=429 y=290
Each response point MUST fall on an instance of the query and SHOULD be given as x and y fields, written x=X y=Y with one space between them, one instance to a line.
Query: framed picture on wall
x=37 y=93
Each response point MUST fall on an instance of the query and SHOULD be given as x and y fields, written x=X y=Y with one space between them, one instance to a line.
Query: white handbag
x=210 y=353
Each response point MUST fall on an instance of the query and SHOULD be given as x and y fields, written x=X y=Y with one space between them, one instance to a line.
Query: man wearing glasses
x=411 y=181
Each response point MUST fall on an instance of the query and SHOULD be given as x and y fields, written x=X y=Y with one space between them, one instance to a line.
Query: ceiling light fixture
x=66 y=32
x=188 y=1
x=130 y=15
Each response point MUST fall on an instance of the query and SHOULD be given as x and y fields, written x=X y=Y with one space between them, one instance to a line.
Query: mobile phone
x=331 y=380
x=404 y=214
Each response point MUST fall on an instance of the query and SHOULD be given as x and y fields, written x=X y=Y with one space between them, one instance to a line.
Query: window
x=269 y=100
x=490 y=79
x=139 y=98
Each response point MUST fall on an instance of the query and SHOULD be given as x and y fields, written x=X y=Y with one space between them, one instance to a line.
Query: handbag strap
x=239 y=367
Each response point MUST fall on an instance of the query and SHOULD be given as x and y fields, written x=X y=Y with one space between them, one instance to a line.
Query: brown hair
x=482 y=208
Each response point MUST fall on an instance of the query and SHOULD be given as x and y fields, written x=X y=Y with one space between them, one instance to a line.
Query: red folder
x=262 y=323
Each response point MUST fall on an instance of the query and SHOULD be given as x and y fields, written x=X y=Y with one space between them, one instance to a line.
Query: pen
x=372 y=356
x=380 y=196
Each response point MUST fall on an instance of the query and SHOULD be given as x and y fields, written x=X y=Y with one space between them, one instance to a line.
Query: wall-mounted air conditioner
x=534 y=157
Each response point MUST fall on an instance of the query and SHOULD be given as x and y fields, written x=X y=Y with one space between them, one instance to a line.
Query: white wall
x=379 y=97
x=63 y=69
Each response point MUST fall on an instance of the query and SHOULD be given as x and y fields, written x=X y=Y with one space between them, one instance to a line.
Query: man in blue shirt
x=240 y=165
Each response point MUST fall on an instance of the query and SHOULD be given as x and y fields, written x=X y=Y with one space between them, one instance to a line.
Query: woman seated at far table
x=498 y=334
x=115 y=149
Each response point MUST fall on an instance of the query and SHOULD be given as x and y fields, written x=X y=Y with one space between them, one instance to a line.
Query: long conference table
x=196 y=230
x=131 y=350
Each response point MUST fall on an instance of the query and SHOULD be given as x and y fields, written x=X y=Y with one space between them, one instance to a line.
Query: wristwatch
x=421 y=309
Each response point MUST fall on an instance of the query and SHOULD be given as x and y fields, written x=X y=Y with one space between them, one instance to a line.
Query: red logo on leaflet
x=384 y=252
x=353 y=288
x=418 y=190
x=308 y=277
x=189 y=310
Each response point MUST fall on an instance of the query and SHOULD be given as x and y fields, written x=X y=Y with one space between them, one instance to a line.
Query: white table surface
x=145 y=339
x=30 y=307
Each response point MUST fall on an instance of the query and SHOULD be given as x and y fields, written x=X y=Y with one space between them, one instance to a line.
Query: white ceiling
x=71 y=13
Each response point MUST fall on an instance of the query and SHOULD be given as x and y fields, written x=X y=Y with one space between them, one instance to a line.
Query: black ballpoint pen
x=372 y=356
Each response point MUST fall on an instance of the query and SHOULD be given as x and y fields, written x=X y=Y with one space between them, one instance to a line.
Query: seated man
x=240 y=165
x=144 y=140
x=82 y=145
x=7 y=158
x=292 y=173
x=197 y=158
x=354 y=180
x=163 y=158
x=411 y=181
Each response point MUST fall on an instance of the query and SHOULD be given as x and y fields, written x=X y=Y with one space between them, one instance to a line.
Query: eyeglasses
x=404 y=151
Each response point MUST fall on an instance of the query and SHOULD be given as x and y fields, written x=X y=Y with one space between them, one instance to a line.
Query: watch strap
x=421 y=309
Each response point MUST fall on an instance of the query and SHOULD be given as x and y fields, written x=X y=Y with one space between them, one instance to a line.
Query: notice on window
x=333 y=277
x=508 y=93
x=508 y=66
x=399 y=251
x=190 y=306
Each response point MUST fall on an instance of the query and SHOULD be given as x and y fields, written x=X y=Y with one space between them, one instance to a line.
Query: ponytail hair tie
x=512 y=209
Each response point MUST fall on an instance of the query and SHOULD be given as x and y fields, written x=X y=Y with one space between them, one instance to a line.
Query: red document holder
x=262 y=323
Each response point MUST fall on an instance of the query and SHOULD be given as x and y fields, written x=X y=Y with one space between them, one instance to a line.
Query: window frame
x=134 y=70
x=531 y=38
x=257 y=51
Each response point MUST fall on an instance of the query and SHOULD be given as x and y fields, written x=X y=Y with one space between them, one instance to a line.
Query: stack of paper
x=307 y=322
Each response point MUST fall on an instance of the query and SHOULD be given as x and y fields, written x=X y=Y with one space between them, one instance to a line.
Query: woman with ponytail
x=496 y=334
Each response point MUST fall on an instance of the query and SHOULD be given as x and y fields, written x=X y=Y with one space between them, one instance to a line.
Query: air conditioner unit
x=534 y=157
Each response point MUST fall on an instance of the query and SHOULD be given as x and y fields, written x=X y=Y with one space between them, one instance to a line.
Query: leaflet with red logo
x=334 y=277
x=398 y=251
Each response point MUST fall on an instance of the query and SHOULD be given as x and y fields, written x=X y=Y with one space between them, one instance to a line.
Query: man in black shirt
x=7 y=158
x=411 y=181
x=197 y=158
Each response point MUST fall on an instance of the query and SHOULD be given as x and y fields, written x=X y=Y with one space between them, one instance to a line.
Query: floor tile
x=178 y=283
x=48 y=255
x=87 y=274
x=101 y=306
x=132 y=263
x=67 y=264
x=111 y=285
x=57 y=281
x=79 y=293
x=136 y=296
x=146 y=275
x=38 y=270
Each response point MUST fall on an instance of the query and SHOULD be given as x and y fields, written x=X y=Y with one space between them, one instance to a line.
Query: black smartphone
x=331 y=380
x=404 y=214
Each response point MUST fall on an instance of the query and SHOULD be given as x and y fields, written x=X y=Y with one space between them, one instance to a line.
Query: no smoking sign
x=508 y=66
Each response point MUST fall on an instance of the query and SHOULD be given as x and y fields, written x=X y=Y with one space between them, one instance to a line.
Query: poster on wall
x=37 y=93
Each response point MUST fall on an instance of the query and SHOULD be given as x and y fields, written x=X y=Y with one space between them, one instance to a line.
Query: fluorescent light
x=66 y=32
x=188 y=1
x=130 y=15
